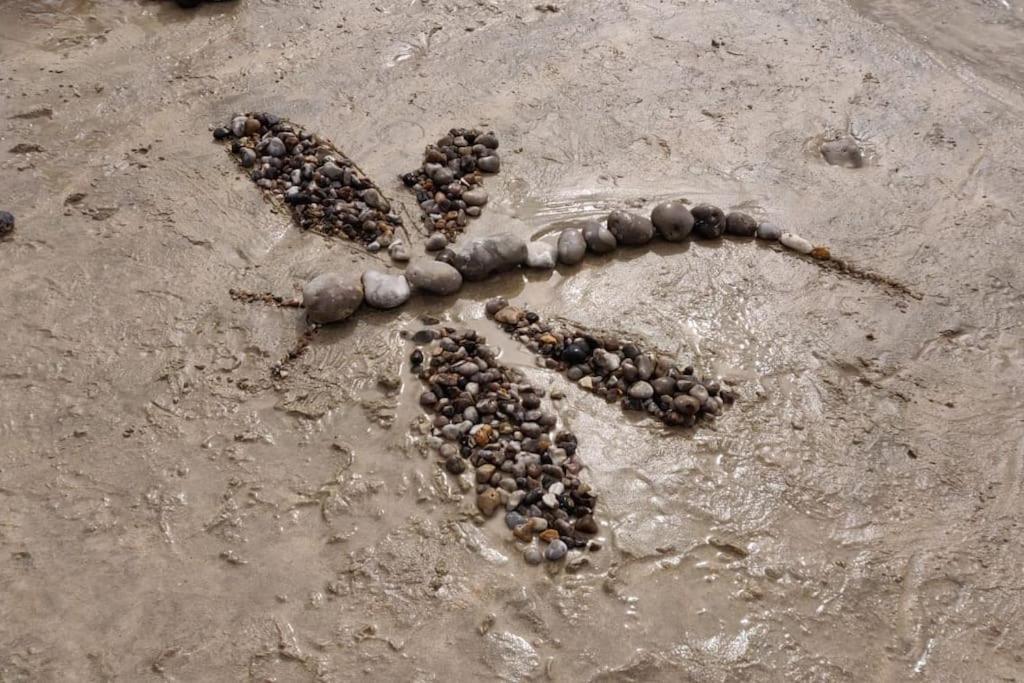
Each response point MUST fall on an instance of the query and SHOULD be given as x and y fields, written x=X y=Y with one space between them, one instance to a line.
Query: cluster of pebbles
x=448 y=185
x=324 y=190
x=487 y=417
x=616 y=369
x=335 y=296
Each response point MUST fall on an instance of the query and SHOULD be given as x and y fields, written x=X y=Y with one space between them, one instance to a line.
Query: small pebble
x=489 y=164
x=6 y=223
x=769 y=231
x=436 y=242
x=533 y=555
x=796 y=243
x=556 y=550
x=398 y=251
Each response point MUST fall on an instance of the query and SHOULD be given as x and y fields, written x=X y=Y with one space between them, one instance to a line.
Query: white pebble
x=796 y=243
x=558 y=488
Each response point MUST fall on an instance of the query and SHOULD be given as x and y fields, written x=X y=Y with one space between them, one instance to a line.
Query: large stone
x=434 y=277
x=382 y=290
x=542 y=255
x=332 y=297
x=571 y=246
x=630 y=229
x=673 y=221
x=740 y=224
x=598 y=237
x=485 y=256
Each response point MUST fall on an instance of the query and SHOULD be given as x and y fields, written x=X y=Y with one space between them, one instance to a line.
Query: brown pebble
x=549 y=535
x=821 y=253
x=488 y=501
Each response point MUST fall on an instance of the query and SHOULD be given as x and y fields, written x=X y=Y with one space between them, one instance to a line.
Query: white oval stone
x=796 y=243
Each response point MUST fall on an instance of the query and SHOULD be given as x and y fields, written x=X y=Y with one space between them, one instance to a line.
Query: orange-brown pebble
x=483 y=435
x=821 y=253
x=549 y=535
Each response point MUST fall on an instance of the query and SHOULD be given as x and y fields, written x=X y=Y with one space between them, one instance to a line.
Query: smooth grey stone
x=556 y=550
x=331 y=297
x=532 y=555
x=664 y=386
x=606 y=360
x=740 y=224
x=488 y=140
x=475 y=197
x=238 y=126
x=769 y=231
x=598 y=237
x=382 y=290
x=699 y=392
x=374 y=200
x=442 y=176
x=630 y=229
x=332 y=170
x=571 y=246
x=398 y=251
x=434 y=277
x=276 y=148
x=514 y=519
x=641 y=390
x=541 y=254
x=373 y=247
x=247 y=157
x=796 y=243
x=644 y=366
x=484 y=256
x=6 y=222
x=436 y=242
x=489 y=164
x=673 y=221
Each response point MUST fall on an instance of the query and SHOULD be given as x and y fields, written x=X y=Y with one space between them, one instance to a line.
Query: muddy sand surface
x=169 y=509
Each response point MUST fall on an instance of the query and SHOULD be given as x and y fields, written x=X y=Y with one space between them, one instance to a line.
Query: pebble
x=587 y=525
x=708 y=221
x=475 y=197
x=332 y=297
x=769 y=231
x=455 y=464
x=434 y=277
x=641 y=390
x=542 y=255
x=514 y=519
x=571 y=246
x=488 y=501
x=598 y=237
x=796 y=243
x=436 y=242
x=673 y=221
x=630 y=229
x=533 y=555
x=556 y=550
x=276 y=148
x=740 y=224
x=398 y=251
x=489 y=164
x=247 y=157
x=6 y=223
x=385 y=291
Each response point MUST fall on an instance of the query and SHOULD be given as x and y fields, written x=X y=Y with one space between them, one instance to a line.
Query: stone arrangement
x=448 y=185
x=323 y=189
x=486 y=417
x=616 y=369
x=333 y=297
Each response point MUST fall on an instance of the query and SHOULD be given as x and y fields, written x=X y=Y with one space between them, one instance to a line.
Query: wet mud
x=169 y=509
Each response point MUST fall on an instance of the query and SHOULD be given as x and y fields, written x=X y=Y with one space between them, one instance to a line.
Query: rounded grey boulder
x=673 y=221
x=571 y=246
x=434 y=277
x=382 y=290
x=630 y=229
x=541 y=254
x=598 y=237
x=487 y=255
x=740 y=224
x=332 y=297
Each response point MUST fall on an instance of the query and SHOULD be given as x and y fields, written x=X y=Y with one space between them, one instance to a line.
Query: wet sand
x=168 y=509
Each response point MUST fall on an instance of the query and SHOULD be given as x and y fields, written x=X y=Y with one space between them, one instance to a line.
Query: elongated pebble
x=796 y=243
